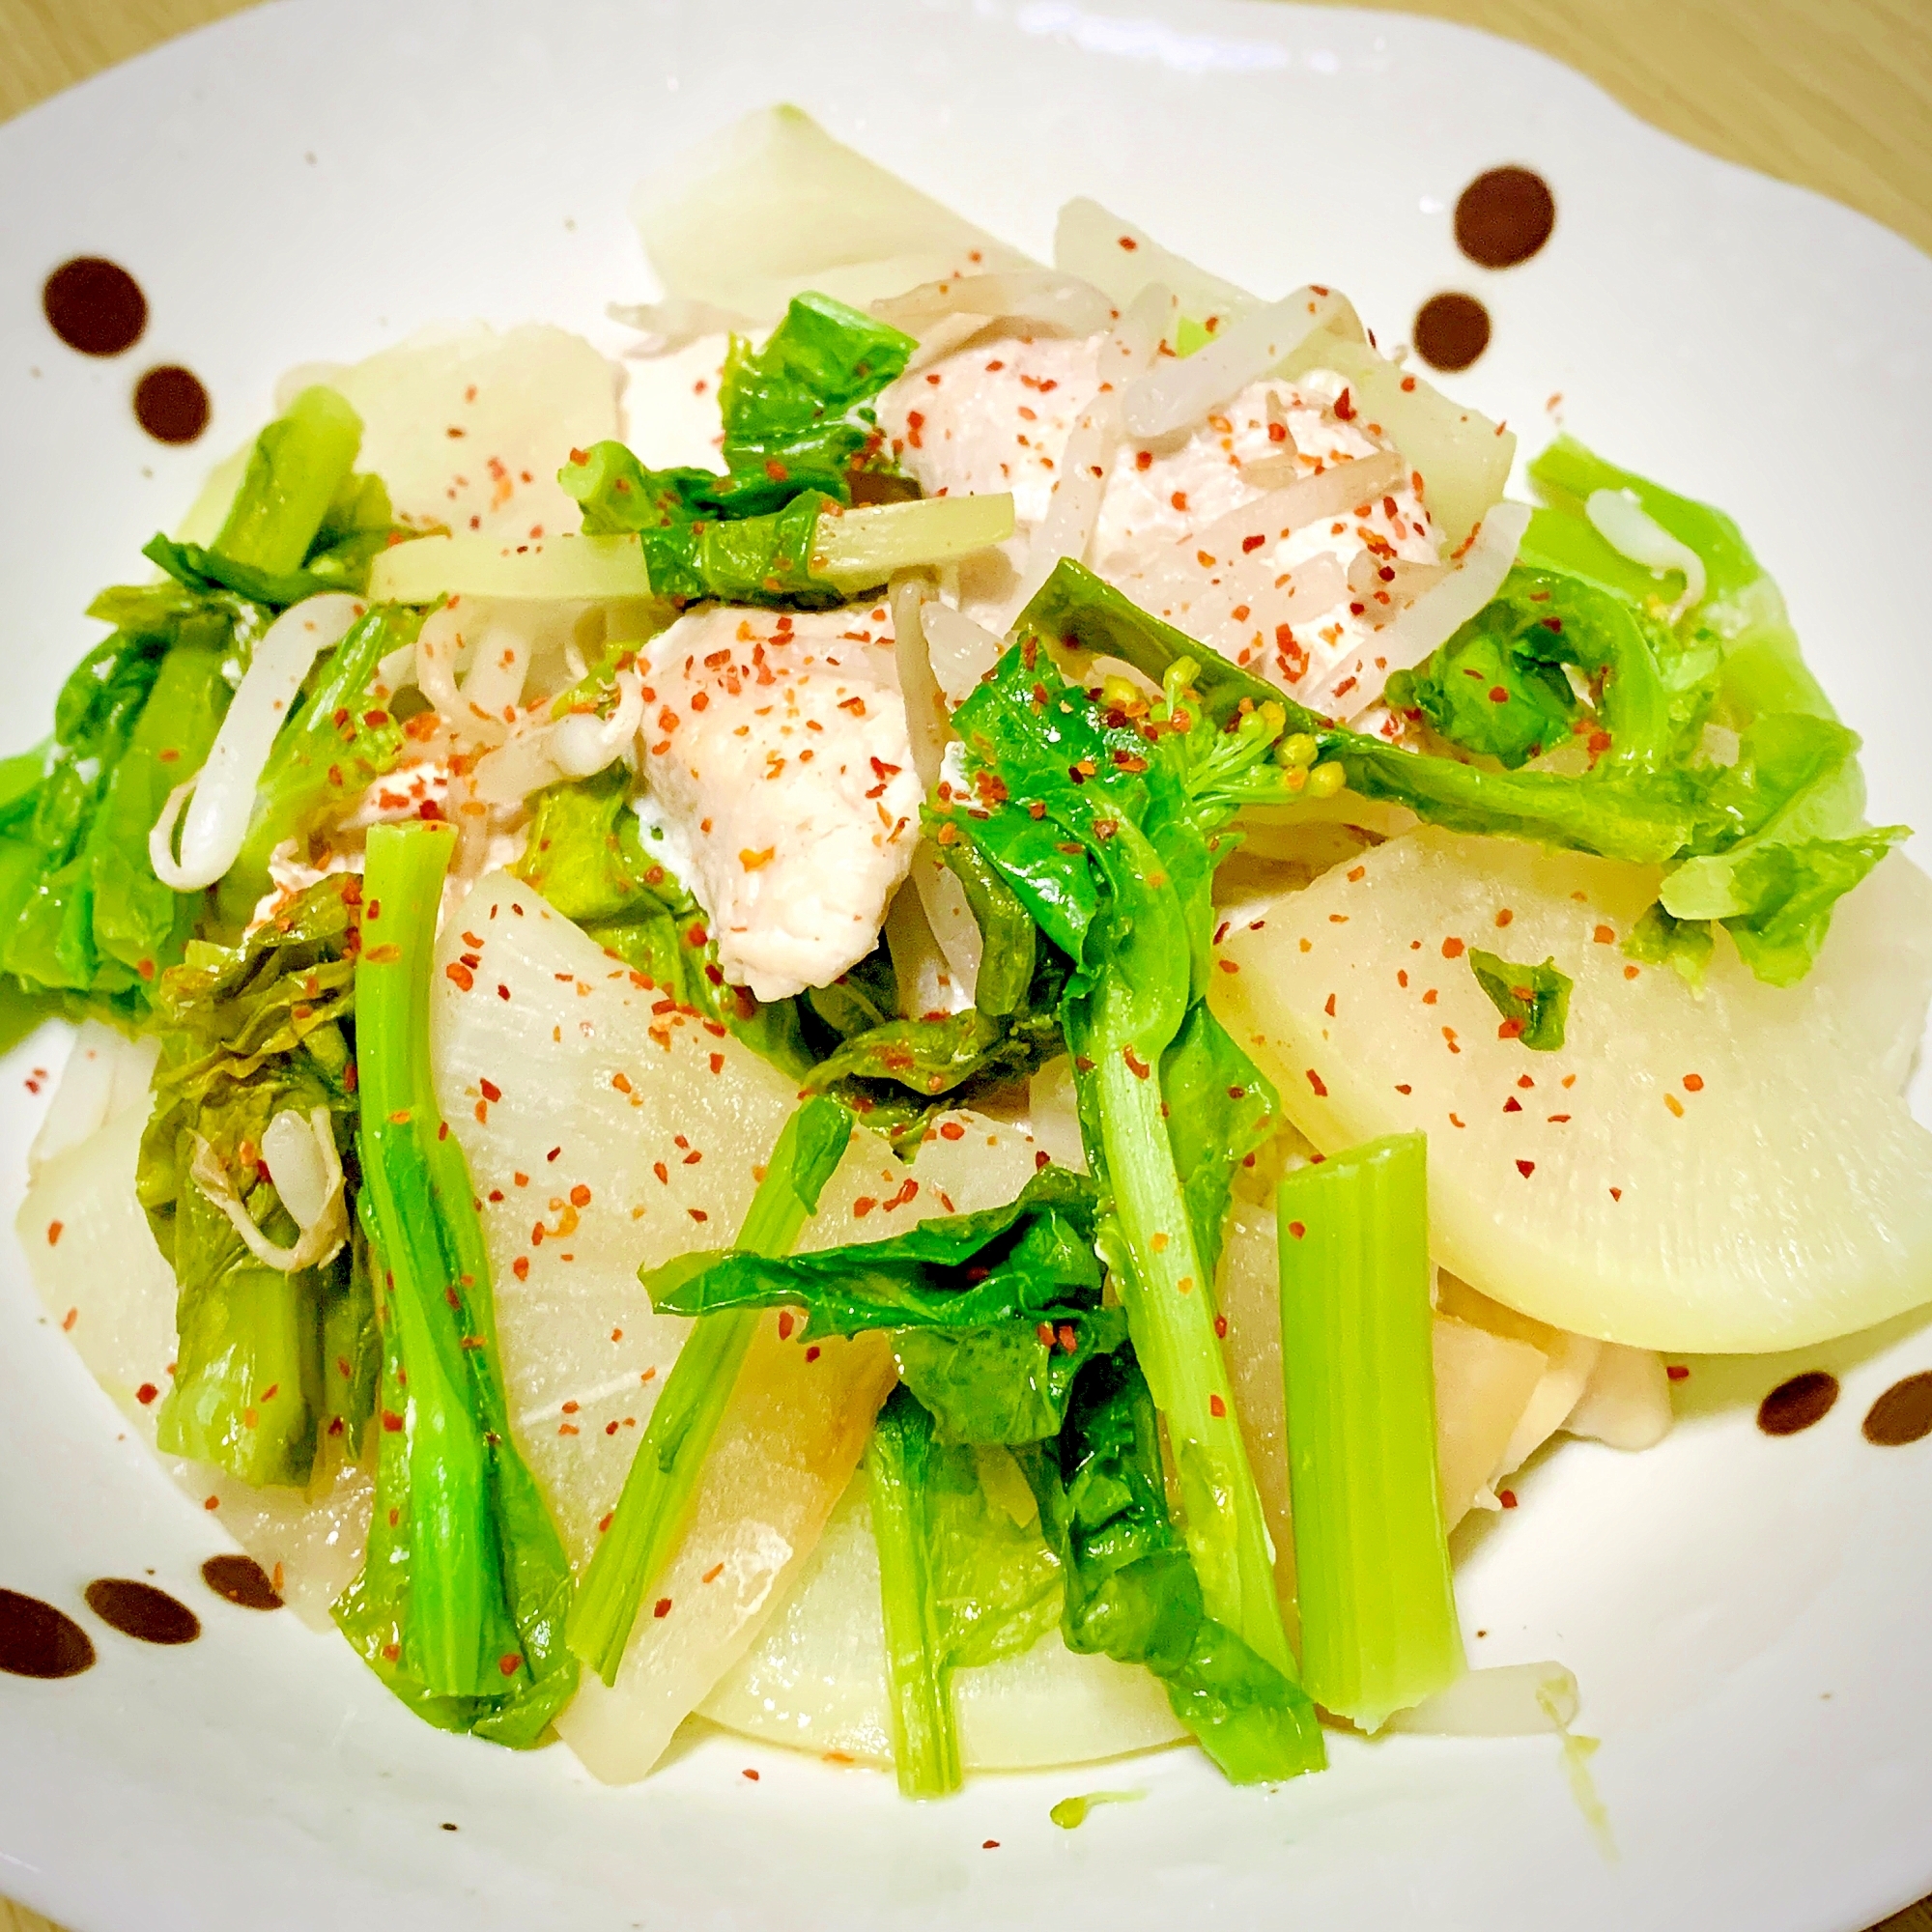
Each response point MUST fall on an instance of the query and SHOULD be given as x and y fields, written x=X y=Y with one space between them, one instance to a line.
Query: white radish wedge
x=1733 y=1173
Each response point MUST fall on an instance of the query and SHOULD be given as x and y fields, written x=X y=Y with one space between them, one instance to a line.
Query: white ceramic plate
x=1747 y=1617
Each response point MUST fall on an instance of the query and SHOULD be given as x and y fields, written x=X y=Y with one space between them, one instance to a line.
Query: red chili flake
x=392 y=1422
x=1559 y=1120
x=1216 y=1406
x=1507 y=1498
x=1069 y=1340
x=1453 y=948
x=1525 y=1168
x=1221 y=1326
x=1404 y=1088
x=1143 y=459
x=698 y=1215
x=1297 y=1229
x=521 y=1268
x=1505 y=916
x=1138 y=1068
x=1315 y=1082
x=214 y=1503
x=993 y=1844
x=69 y=1320
x=1041 y=1158
x=54 y=1228
x=1511 y=1029
x=751 y=1774
x=662 y=1607
x=785 y=1324
x=1629 y=972
x=1693 y=1082
x=1511 y=1105
x=489 y=1090
x=580 y=1196
x=1677 y=1371
x=812 y=1353
x=146 y=1393
x=1179 y=500
x=502 y=992
x=1605 y=936
x=1616 y=1194
x=509 y=1663
x=1497 y=695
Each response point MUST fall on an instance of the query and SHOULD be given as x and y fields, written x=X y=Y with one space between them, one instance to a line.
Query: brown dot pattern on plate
x=171 y=404
x=94 y=305
x=140 y=1611
x=1798 y=1403
x=1504 y=217
x=1902 y=1414
x=38 y=1640
x=242 y=1581
x=1451 y=331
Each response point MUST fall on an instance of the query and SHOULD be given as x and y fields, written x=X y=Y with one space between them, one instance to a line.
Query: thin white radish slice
x=220 y=798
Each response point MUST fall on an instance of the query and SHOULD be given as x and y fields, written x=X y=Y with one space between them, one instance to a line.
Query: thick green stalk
x=662 y=1486
x=1379 y=1628
x=298 y=465
x=925 y=1740
x=1170 y=1304
x=460 y=1603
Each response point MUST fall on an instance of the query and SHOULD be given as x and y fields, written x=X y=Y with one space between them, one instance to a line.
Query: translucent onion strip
x=919 y=689
x=320 y=1237
x=214 y=807
x=1181 y=389
x=583 y=744
x=1063 y=303
x=1632 y=531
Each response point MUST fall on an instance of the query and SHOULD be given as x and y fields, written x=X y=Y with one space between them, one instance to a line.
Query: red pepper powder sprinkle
x=1507 y=1498
x=1315 y=1082
x=662 y=1607
x=54 y=1230
x=1525 y=1168
x=1216 y=1406
x=1297 y=1229
x=1677 y=1371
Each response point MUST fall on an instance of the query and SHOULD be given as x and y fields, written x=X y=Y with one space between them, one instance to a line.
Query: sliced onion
x=948 y=917
x=1632 y=531
x=221 y=798
x=919 y=689
x=296 y=1166
x=962 y=652
x=1181 y=389
x=1063 y=303
x=1312 y=499
x=677 y=322
x=583 y=744
x=494 y=683
x=1434 y=617
x=321 y=1236
x=926 y=982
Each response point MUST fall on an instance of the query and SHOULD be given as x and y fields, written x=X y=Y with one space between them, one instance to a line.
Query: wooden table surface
x=1835 y=94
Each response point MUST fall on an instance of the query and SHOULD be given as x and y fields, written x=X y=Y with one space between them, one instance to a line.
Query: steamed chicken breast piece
x=779 y=769
x=1290 y=598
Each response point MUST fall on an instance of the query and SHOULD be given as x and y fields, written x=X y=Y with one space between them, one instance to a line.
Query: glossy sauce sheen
x=171 y=404
x=38 y=1640
x=95 y=306
x=1798 y=1403
x=1451 y=331
x=241 y=1580
x=1504 y=217
x=142 y=1612
x=1902 y=1414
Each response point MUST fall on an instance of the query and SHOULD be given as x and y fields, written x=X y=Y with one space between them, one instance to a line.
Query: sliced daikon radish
x=1484 y=1383
x=1733 y=1172
x=816 y=1679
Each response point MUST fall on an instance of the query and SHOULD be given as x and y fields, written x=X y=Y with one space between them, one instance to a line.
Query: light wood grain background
x=1835 y=94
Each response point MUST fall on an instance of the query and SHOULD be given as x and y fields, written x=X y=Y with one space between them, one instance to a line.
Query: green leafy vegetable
x=1113 y=854
x=460 y=1603
x=960 y=1584
x=661 y=1485
x=1534 y=1000
x=247 y=1034
x=1379 y=1628
x=1498 y=687
x=1684 y=945
x=1132 y=1592
x=297 y=467
x=991 y=1314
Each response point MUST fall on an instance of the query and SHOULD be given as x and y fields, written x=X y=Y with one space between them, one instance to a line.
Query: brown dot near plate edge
x=38 y=1640
x=241 y=1580
x=1798 y=1403
x=1504 y=216
x=95 y=306
x=171 y=405
x=1451 y=331
x=142 y=1612
x=1902 y=1414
